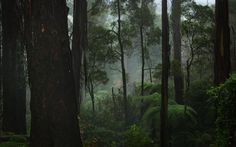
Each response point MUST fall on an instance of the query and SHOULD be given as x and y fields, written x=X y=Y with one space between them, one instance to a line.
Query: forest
x=117 y=73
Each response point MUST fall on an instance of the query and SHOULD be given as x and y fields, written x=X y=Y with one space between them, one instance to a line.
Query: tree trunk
x=178 y=74
x=143 y=60
x=54 y=121
x=222 y=44
x=14 y=90
x=188 y=77
x=79 y=42
x=113 y=100
x=150 y=74
x=122 y=63
x=1 y=63
x=91 y=92
x=165 y=73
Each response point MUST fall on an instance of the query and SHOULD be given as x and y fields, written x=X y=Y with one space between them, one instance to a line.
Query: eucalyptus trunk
x=222 y=44
x=143 y=60
x=54 y=121
x=164 y=139
x=177 y=62
x=79 y=43
x=14 y=88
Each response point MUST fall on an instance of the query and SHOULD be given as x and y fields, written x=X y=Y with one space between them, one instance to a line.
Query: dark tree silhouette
x=222 y=44
x=54 y=121
x=165 y=74
x=79 y=43
x=14 y=88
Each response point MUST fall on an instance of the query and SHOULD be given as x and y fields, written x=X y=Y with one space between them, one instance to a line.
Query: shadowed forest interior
x=117 y=73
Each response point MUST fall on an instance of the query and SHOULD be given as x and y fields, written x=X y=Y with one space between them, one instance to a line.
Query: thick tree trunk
x=1 y=63
x=178 y=74
x=14 y=90
x=222 y=44
x=122 y=62
x=79 y=43
x=54 y=121
x=165 y=73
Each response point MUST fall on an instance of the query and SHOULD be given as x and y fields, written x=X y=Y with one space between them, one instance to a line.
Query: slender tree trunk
x=92 y=95
x=165 y=73
x=178 y=74
x=222 y=44
x=113 y=100
x=14 y=90
x=188 y=77
x=143 y=60
x=150 y=74
x=122 y=63
x=54 y=121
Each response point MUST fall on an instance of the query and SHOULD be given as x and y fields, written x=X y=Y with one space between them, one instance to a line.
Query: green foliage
x=224 y=95
x=149 y=88
x=15 y=141
x=193 y=139
x=18 y=139
x=153 y=36
x=197 y=37
x=12 y=144
x=136 y=137
x=158 y=72
x=177 y=115
x=198 y=98
x=176 y=68
x=101 y=136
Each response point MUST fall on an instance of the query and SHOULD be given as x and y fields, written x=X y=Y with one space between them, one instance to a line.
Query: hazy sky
x=199 y=1
x=203 y=2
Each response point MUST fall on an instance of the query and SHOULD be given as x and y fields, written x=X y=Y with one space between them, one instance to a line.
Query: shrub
x=136 y=137
x=225 y=98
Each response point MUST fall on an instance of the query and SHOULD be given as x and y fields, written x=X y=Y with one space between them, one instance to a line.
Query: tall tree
x=79 y=42
x=142 y=17
x=1 y=63
x=197 y=37
x=14 y=88
x=122 y=60
x=54 y=121
x=165 y=74
x=99 y=55
x=222 y=44
x=177 y=62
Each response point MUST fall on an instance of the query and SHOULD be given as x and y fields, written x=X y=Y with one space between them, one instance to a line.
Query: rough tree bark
x=14 y=88
x=54 y=121
x=165 y=73
x=0 y=62
x=177 y=62
x=222 y=50
x=79 y=43
x=222 y=44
